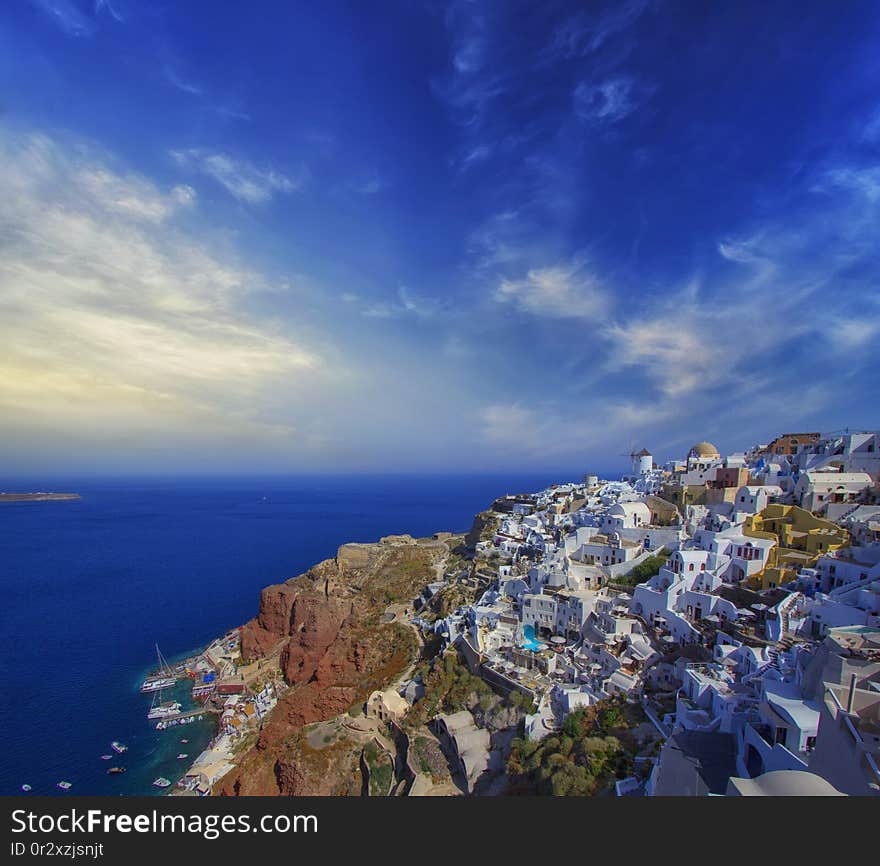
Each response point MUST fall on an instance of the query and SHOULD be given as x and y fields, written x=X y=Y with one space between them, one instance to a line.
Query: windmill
x=633 y=457
x=641 y=461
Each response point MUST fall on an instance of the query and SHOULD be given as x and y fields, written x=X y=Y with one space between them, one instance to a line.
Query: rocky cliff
x=325 y=628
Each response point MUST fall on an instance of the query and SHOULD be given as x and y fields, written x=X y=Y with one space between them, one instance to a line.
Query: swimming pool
x=530 y=642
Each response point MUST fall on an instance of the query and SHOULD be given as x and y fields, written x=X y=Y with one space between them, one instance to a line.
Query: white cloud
x=240 y=178
x=551 y=431
x=607 y=102
x=864 y=181
x=114 y=322
x=509 y=425
x=131 y=196
x=557 y=292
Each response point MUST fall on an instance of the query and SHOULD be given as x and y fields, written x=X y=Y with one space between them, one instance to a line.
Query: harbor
x=233 y=696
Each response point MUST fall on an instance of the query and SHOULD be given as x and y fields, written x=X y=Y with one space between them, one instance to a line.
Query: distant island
x=37 y=497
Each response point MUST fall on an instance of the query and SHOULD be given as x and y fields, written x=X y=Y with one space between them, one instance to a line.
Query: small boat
x=119 y=748
x=184 y=741
x=25 y=788
x=106 y=757
x=161 y=782
x=115 y=771
x=65 y=786
x=182 y=755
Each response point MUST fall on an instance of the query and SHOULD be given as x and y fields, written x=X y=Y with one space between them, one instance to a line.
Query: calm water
x=88 y=587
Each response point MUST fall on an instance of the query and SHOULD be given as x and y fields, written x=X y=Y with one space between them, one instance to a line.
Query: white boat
x=119 y=748
x=156 y=684
x=161 y=782
x=182 y=755
x=164 y=710
x=161 y=711
x=25 y=788
x=65 y=786
x=162 y=680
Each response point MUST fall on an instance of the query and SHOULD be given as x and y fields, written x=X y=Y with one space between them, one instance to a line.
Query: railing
x=854 y=733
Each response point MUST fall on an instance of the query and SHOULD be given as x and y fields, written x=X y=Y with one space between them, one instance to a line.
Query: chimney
x=852 y=693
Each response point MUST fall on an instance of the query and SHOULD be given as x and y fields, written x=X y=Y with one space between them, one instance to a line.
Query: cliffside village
x=736 y=598
x=733 y=601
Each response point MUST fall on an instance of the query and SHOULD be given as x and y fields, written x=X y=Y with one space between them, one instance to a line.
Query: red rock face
x=315 y=625
x=261 y=635
x=276 y=606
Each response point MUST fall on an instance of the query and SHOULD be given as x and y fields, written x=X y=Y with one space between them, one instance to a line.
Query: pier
x=184 y=716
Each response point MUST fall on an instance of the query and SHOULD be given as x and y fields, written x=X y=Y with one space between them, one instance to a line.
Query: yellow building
x=801 y=538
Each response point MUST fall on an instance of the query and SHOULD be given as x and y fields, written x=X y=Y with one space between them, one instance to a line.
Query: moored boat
x=164 y=679
x=161 y=782
x=118 y=747
x=115 y=771
x=25 y=788
x=65 y=786
x=156 y=684
x=161 y=711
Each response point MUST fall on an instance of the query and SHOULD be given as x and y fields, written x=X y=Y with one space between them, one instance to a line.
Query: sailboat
x=162 y=710
x=163 y=679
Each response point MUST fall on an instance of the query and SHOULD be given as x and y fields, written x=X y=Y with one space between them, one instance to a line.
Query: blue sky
x=429 y=237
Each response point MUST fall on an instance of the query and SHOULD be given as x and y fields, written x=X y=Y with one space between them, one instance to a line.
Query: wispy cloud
x=607 y=102
x=406 y=304
x=548 y=431
x=114 y=321
x=239 y=177
x=109 y=7
x=862 y=180
x=588 y=30
x=68 y=16
x=182 y=84
x=75 y=19
x=558 y=292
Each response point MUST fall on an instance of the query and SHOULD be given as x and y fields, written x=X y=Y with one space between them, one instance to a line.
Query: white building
x=754 y=499
x=626 y=515
x=817 y=489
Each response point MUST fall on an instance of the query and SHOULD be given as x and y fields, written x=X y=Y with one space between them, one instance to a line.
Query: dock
x=183 y=717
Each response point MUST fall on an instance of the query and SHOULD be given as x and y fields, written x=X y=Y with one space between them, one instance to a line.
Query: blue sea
x=89 y=587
